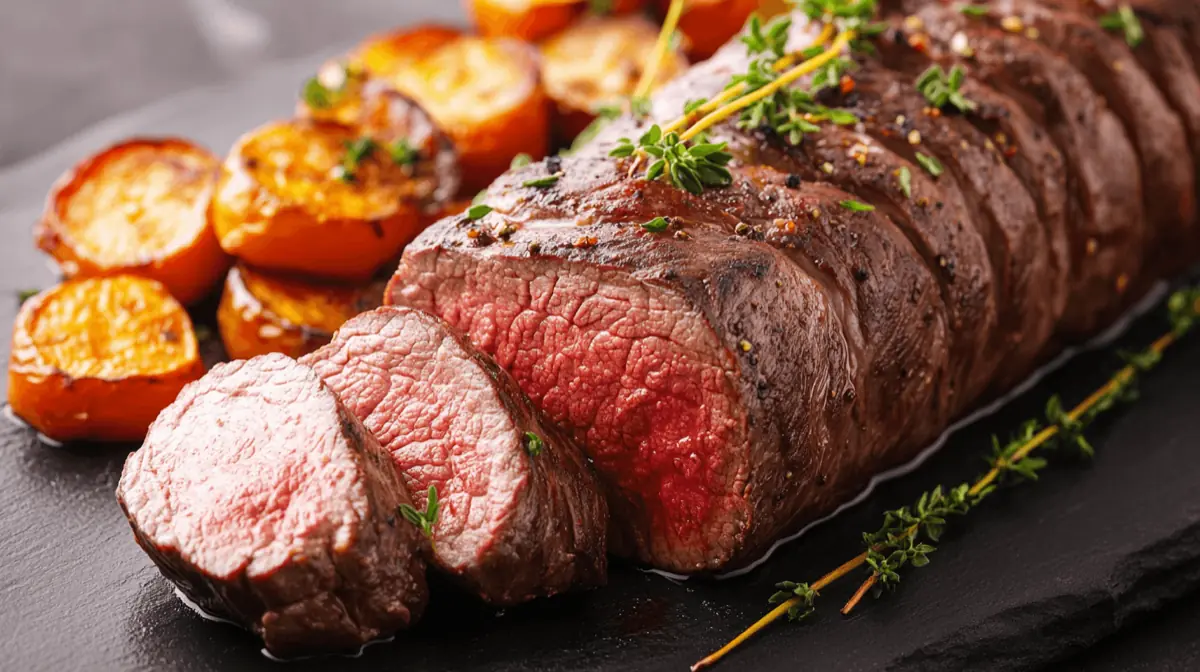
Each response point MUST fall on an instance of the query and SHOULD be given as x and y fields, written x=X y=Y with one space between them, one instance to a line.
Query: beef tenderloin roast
x=818 y=321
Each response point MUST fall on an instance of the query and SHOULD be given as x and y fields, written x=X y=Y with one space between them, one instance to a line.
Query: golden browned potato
x=138 y=207
x=99 y=358
x=708 y=24
x=485 y=93
x=529 y=20
x=316 y=198
x=261 y=312
x=598 y=62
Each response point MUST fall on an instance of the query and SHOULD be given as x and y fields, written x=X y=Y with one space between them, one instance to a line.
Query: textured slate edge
x=1143 y=582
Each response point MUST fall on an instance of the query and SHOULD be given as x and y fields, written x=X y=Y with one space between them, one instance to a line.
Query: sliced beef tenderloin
x=720 y=373
x=1105 y=216
x=520 y=513
x=1169 y=187
x=266 y=502
x=1162 y=52
x=1030 y=294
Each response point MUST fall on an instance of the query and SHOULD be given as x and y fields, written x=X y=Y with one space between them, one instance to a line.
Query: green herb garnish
x=533 y=444
x=426 y=519
x=520 y=161
x=478 y=211
x=27 y=294
x=403 y=154
x=689 y=167
x=942 y=89
x=974 y=10
x=542 y=182
x=930 y=164
x=857 y=206
x=1126 y=21
x=904 y=176
x=656 y=225
x=771 y=38
x=357 y=151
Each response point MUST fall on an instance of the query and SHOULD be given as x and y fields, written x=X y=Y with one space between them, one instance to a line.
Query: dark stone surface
x=1039 y=575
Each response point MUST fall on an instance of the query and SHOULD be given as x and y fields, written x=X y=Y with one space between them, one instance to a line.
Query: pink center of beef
x=438 y=413
x=631 y=369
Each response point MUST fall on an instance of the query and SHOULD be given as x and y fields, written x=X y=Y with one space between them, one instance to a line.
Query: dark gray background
x=68 y=64
x=65 y=64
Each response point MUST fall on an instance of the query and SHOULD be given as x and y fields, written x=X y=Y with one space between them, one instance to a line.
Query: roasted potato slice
x=617 y=49
x=262 y=312
x=708 y=24
x=485 y=93
x=137 y=207
x=529 y=20
x=388 y=116
x=98 y=358
x=387 y=53
x=316 y=198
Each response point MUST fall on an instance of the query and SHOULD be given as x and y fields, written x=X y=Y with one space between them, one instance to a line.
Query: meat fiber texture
x=266 y=502
x=752 y=367
x=520 y=512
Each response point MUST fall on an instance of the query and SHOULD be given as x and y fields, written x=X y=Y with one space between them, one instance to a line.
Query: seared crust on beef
x=266 y=502
x=751 y=367
x=512 y=525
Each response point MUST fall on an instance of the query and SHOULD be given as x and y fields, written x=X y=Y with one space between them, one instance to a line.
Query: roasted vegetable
x=137 y=207
x=317 y=198
x=708 y=24
x=524 y=19
x=99 y=358
x=261 y=312
x=485 y=93
x=618 y=50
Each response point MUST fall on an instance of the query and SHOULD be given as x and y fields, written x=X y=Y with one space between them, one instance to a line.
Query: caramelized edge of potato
x=180 y=249
x=261 y=312
x=313 y=221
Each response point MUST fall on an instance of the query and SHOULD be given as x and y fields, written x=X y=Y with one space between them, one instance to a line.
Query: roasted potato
x=485 y=93
x=384 y=114
x=529 y=20
x=708 y=24
x=98 y=358
x=138 y=207
x=316 y=198
x=618 y=50
x=533 y=20
x=261 y=312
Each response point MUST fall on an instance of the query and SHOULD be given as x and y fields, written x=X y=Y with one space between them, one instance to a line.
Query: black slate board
x=1037 y=576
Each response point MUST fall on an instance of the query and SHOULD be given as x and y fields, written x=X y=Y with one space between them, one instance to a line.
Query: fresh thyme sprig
x=691 y=167
x=904 y=539
x=941 y=88
x=425 y=520
x=1126 y=21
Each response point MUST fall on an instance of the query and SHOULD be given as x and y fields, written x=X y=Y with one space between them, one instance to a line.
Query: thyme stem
x=1185 y=309
x=860 y=593
x=738 y=89
x=811 y=65
x=660 y=49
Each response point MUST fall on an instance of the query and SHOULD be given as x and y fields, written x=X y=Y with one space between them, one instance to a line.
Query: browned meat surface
x=266 y=501
x=521 y=515
x=751 y=367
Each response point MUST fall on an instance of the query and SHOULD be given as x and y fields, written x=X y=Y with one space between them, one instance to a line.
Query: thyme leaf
x=1125 y=21
x=941 y=89
x=656 y=225
x=857 y=206
x=424 y=520
x=542 y=182
x=930 y=164
x=691 y=167
x=533 y=444
x=478 y=211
